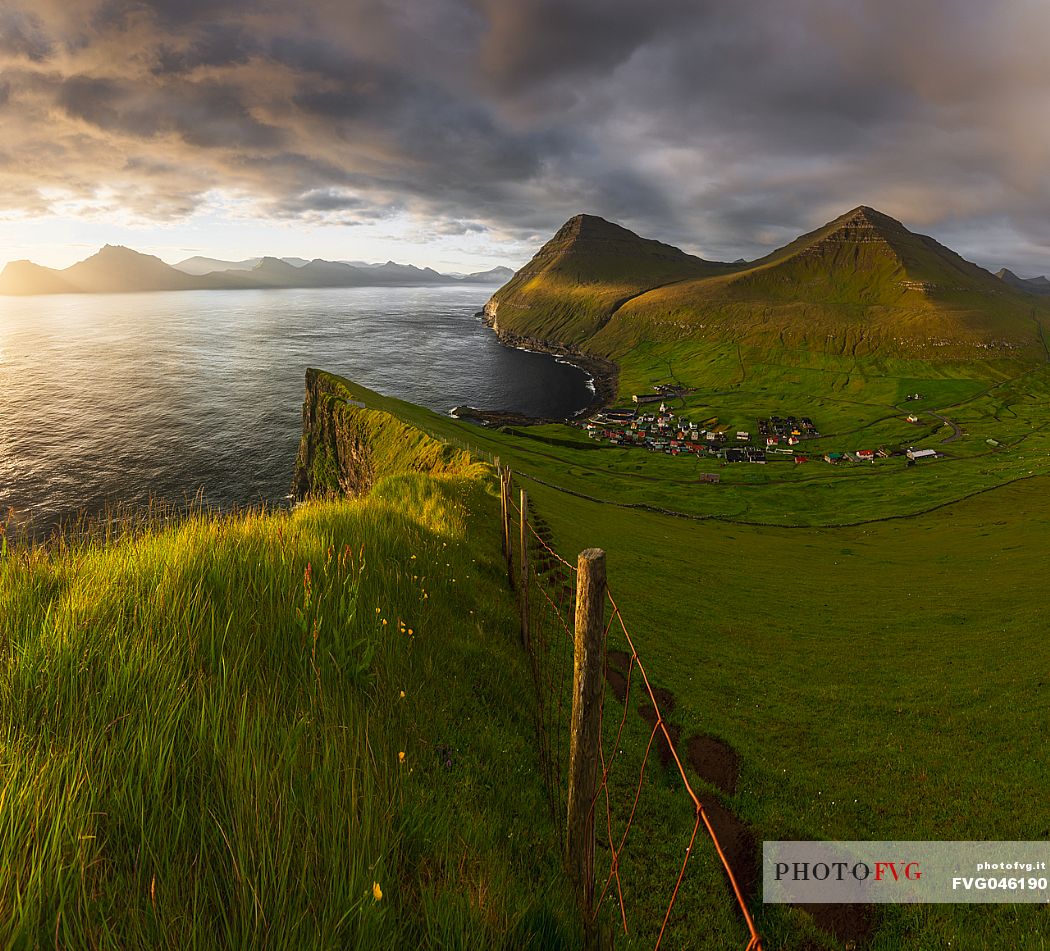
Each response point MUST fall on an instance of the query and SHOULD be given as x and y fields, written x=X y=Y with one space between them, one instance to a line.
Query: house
x=646 y=398
x=832 y=457
x=711 y=477
x=793 y=440
x=866 y=455
x=801 y=459
x=912 y=418
x=772 y=440
x=914 y=454
x=742 y=436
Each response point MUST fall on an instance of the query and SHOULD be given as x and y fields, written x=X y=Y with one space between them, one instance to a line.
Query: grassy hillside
x=862 y=284
x=883 y=681
x=305 y=729
x=579 y=277
x=869 y=639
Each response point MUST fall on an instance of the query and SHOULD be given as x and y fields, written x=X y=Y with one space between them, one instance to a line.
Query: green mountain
x=862 y=283
x=589 y=269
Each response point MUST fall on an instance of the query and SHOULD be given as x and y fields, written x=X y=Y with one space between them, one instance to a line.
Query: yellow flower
x=410 y=632
x=377 y=892
x=384 y=622
x=402 y=694
x=401 y=756
x=378 y=611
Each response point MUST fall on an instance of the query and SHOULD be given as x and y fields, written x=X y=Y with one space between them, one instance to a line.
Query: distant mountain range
x=116 y=269
x=1034 y=285
x=860 y=284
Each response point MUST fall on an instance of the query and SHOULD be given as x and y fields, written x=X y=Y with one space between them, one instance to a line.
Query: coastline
x=604 y=379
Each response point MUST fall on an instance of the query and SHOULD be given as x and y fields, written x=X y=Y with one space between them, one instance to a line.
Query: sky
x=460 y=134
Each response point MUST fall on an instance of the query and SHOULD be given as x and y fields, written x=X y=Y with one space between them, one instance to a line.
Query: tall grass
x=202 y=727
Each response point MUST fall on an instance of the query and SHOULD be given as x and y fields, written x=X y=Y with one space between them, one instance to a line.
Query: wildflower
x=413 y=558
x=377 y=892
x=410 y=632
x=378 y=611
x=402 y=694
x=401 y=756
x=384 y=622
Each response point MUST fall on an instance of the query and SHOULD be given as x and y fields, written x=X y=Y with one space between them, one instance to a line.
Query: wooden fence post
x=506 y=528
x=523 y=594
x=584 y=737
x=502 y=511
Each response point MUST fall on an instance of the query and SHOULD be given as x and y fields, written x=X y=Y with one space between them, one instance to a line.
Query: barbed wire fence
x=567 y=614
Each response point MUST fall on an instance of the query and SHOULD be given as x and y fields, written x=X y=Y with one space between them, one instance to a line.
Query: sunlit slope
x=306 y=729
x=582 y=275
x=861 y=284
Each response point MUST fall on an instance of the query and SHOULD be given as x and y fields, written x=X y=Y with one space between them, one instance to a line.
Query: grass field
x=879 y=662
x=286 y=730
x=202 y=736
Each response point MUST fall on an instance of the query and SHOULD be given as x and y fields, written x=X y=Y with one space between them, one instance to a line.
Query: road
x=957 y=432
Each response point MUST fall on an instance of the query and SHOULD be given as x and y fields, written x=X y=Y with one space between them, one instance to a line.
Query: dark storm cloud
x=22 y=34
x=726 y=127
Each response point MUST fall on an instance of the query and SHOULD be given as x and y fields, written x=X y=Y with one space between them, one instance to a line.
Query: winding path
x=957 y=432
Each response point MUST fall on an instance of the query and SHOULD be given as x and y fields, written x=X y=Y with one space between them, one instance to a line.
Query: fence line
x=547 y=587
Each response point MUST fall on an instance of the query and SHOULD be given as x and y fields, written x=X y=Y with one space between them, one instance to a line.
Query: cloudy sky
x=461 y=133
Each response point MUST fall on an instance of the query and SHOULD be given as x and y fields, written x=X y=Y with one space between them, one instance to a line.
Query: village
x=661 y=430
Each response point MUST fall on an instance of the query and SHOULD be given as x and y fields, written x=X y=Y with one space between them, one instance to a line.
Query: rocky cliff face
x=335 y=453
x=348 y=446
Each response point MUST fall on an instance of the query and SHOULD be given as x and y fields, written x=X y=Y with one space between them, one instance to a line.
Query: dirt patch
x=665 y=700
x=714 y=760
x=618 y=683
x=737 y=843
x=621 y=660
x=674 y=731
x=851 y=924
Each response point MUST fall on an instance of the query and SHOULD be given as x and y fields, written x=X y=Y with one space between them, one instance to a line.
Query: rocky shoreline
x=604 y=374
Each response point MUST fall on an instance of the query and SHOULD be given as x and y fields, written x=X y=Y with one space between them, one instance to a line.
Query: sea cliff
x=345 y=443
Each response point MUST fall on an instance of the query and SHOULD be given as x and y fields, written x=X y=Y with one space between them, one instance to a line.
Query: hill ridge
x=863 y=281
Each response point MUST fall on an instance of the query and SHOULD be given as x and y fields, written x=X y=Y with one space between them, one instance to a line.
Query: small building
x=711 y=477
x=912 y=418
x=742 y=436
x=915 y=454
x=833 y=457
x=866 y=455
x=801 y=459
